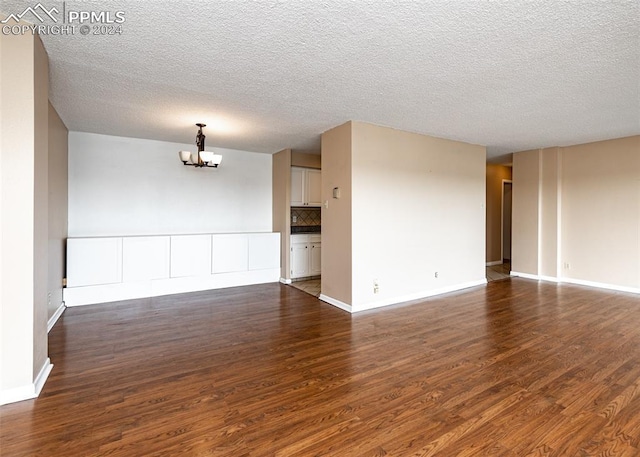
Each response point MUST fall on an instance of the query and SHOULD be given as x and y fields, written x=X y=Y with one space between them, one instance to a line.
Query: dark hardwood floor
x=517 y=368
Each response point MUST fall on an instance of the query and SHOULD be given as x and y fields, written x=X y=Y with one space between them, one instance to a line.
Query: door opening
x=507 y=187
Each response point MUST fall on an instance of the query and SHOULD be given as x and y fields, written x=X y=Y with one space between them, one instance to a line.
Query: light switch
x=336 y=192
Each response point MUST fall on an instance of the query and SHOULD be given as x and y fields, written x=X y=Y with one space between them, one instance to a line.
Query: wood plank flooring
x=517 y=368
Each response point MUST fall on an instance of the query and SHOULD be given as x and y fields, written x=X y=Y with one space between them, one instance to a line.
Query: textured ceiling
x=268 y=75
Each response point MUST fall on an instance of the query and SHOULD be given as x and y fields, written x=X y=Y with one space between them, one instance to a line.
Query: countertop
x=305 y=229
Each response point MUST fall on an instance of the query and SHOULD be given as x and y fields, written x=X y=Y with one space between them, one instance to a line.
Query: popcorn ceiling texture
x=267 y=75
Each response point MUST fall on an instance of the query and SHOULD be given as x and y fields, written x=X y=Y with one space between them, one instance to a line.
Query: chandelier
x=201 y=158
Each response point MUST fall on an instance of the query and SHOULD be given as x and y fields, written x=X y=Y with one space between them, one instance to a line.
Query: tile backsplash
x=304 y=217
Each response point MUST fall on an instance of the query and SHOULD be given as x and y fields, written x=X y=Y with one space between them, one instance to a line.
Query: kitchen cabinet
x=315 y=259
x=306 y=187
x=305 y=255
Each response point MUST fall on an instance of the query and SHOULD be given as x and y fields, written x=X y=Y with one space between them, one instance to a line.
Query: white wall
x=24 y=365
x=129 y=186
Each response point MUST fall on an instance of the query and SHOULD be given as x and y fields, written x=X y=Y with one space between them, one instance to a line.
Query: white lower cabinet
x=305 y=255
x=315 y=259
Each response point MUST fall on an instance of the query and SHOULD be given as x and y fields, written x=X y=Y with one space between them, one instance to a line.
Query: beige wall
x=581 y=206
x=418 y=208
x=41 y=203
x=282 y=206
x=24 y=209
x=496 y=174
x=58 y=207
x=410 y=206
x=524 y=228
x=549 y=193
x=336 y=219
x=601 y=212
x=300 y=159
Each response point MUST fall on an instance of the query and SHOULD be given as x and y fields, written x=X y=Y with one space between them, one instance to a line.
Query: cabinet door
x=314 y=188
x=297 y=186
x=315 y=257
x=299 y=260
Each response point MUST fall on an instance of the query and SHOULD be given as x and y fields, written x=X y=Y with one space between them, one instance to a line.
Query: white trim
x=285 y=281
x=579 y=282
x=494 y=263
x=602 y=285
x=28 y=391
x=53 y=319
x=337 y=303
x=402 y=299
x=417 y=295
x=42 y=376
x=525 y=275
x=549 y=279
x=90 y=295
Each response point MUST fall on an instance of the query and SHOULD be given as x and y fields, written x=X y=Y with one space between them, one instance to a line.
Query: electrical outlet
x=49 y=298
x=376 y=287
x=294 y=219
x=436 y=275
x=567 y=266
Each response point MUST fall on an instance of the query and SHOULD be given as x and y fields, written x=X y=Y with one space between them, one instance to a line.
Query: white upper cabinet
x=314 y=188
x=297 y=186
x=306 y=187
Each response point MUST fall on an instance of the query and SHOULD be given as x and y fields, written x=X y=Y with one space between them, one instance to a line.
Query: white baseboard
x=337 y=303
x=28 y=391
x=579 y=282
x=91 y=295
x=417 y=295
x=549 y=278
x=494 y=263
x=601 y=285
x=285 y=281
x=53 y=319
x=525 y=275
x=401 y=299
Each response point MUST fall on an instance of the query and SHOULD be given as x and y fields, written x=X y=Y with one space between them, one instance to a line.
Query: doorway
x=507 y=200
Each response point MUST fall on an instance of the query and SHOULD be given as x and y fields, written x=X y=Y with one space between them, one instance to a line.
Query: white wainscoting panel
x=190 y=255
x=145 y=258
x=230 y=253
x=264 y=251
x=122 y=268
x=93 y=261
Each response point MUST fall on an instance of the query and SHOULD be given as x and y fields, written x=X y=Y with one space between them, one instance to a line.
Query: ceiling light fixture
x=201 y=158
